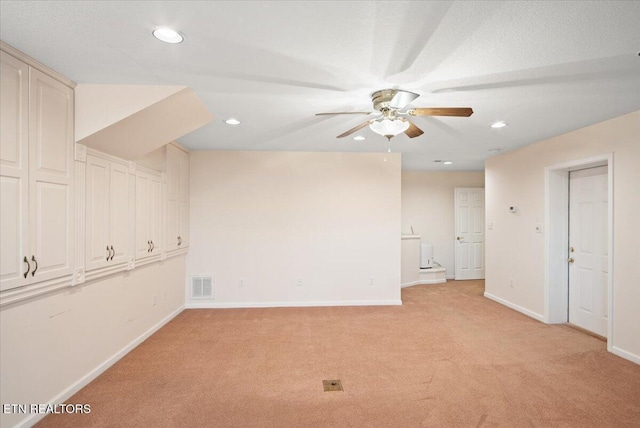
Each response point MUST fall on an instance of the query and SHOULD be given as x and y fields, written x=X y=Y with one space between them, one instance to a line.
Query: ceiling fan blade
x=413 y=131
x=345 y=112
x=352 y=130
x=441 y=111
x=402 y=98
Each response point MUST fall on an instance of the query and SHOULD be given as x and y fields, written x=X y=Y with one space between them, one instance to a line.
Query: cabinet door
x=183 y=198
x=119 y=213
x=14 y=111
x=155 y=213
x=172 y=232
x=184 y=224
x=183 y=176
x=51 y=199
x=172 y=170
x=97 y=212
x=142 y=216
x=173 y=211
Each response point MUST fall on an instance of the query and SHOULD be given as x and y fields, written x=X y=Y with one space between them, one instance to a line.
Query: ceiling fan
x=388 y=123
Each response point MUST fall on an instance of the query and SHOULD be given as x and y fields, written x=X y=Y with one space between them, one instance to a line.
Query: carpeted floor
x=447 y=358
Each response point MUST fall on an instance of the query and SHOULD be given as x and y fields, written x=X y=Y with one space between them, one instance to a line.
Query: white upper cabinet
x=148 y=214
x=108 y=224
x=14 y=171
x=37 y=180
x=177 y=217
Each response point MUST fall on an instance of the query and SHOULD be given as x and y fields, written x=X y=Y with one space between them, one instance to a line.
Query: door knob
x=571 y=260
x=459 y=238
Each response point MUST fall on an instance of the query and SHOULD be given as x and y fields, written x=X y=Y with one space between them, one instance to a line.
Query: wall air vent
x=202 y=287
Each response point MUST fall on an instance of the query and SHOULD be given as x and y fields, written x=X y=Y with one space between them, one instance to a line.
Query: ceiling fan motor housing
x=391 y=99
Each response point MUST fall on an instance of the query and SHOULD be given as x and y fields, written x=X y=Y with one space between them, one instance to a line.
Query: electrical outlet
x=539 y=228
x=490 y=226
x=511 y=283
x=370 y=280
x=299 y=282
x=241 y=282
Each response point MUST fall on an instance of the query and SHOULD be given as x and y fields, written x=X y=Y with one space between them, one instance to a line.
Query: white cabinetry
x=108 y=216
x=177 y=225
x=148 y=213
x=36 y=175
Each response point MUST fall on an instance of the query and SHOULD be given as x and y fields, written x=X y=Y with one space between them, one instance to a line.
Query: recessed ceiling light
x=499 y=124
x=232 y=121
x=168 y=35
x=358 y=138
x=494 y=151
x=447 y=163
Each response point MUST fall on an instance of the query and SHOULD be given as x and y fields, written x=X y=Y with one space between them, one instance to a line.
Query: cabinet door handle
x=108 y=253
x=33 y=259
x=153 y=246
x=148 y=246
x=179 y=240
x=113 y=253
x=26 y=260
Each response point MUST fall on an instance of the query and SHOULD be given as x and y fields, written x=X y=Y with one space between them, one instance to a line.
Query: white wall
x=428 y=206
x=271 y=218
x=50 y=343
x=515 y=251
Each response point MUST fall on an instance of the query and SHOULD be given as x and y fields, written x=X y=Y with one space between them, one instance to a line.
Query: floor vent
x=202 y=287
x=332 y=385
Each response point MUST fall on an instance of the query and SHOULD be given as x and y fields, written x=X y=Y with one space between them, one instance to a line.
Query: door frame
x=556 y=240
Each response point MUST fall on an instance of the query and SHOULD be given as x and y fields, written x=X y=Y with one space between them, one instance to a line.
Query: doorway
x=557 y=244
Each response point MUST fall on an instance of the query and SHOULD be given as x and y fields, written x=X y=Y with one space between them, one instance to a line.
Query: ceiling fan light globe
x=389 y=127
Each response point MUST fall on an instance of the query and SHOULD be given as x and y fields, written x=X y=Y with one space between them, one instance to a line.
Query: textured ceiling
x=545 y=68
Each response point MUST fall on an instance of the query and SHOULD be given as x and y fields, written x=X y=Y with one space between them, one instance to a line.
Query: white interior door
x=588 y=267
x=469 y=219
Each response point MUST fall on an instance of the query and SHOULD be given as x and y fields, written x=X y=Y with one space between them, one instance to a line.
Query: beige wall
x=271 y=218
x=428 y=206
x=515 y=251
x=52 y=342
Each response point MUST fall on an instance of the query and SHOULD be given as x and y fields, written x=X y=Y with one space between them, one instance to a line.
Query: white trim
x=423 y=282
x=33 y=290
x=216 y=305
x=626 y=354
x=86 y=379
x=451 y=277
x=515 y=307
x=36 y=64
x=177 y=252
x=556 y=275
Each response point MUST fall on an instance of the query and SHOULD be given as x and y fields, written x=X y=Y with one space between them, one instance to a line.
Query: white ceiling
x=545 y=68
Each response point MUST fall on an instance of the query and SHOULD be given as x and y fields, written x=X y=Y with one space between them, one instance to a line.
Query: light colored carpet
x=447 y=358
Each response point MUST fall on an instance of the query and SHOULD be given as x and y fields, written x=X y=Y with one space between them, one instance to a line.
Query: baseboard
x=626 y=355
x=515 y=307
x=452 y=277
x=423 y=282
x=409 y=284
x=86 y=379
x=229 y=305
